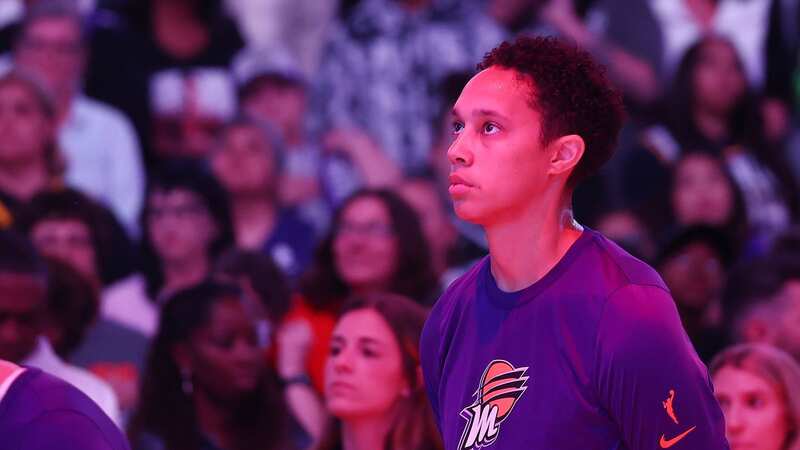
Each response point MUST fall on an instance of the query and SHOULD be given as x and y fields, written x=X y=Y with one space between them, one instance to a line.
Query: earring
x=186 y=382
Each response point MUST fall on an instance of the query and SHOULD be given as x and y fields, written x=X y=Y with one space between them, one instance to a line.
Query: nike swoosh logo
x=667 y=443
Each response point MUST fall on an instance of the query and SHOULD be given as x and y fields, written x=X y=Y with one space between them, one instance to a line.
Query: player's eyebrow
x=481 y=113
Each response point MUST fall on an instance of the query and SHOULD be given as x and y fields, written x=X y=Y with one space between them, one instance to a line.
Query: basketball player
x=558 y=339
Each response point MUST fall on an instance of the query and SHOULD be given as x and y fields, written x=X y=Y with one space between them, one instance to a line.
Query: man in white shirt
x=99 y=143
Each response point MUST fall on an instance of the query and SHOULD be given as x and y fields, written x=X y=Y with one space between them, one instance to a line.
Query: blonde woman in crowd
x=758 y=388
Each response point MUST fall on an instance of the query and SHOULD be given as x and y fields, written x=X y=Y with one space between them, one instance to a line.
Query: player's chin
x=468 y=211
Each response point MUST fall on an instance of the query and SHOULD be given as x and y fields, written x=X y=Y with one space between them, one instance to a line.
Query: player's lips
x=458 y=185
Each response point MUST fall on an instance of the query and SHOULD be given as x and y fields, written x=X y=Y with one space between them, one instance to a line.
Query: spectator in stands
x=694 y=266
x=703 y=192
x=66 y=213
x=100 y=146
x=206 y=385
x=186 y=224
x=70 y=227
x=376 y=244
x=273 y=90
x=758 y=388
x=710 y=109
x=262 y=282
x=29 y=157
x=23 y=312
x=377 y=338
x=167 y=68
x=267 y=296
x=247 y=165
x=72 y=306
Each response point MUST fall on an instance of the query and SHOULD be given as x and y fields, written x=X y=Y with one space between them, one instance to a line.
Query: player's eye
x=490 y=128
x=457 y=127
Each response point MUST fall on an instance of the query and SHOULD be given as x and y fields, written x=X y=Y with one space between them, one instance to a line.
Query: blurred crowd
x=226 y=219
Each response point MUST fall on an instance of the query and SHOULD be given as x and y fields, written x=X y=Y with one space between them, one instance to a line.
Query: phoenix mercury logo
x=501 y=386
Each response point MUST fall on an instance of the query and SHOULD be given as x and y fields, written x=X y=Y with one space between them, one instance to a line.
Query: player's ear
x=567 y=151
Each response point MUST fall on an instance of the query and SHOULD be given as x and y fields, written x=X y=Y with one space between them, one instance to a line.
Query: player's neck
x=524 y=249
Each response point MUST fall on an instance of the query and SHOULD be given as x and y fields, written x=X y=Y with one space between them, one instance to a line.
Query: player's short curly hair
x=570 y=91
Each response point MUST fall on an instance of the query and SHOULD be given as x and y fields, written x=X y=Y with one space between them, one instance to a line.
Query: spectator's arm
x=294 y=342
x=635 y=76
x=376 y=168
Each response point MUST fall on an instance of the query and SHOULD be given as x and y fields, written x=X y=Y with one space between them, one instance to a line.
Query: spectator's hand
x=294 y=342
x=374 y=165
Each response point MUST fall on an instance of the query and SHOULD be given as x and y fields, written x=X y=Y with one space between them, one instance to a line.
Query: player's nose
x=459 y=153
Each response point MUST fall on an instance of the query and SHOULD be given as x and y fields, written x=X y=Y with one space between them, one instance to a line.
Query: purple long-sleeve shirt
x=592 y=357
x=42 y=412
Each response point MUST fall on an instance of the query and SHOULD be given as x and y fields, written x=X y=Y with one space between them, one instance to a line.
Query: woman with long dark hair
x=712 y=109
x=206 y=385
x=342 y=268
x=373 y=381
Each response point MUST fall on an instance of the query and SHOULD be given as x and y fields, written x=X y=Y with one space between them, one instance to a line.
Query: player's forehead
x=494 y=88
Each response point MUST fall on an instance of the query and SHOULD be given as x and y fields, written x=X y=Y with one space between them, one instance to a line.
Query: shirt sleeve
x=649 y=378
x=69 y=430
x=126 y=193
